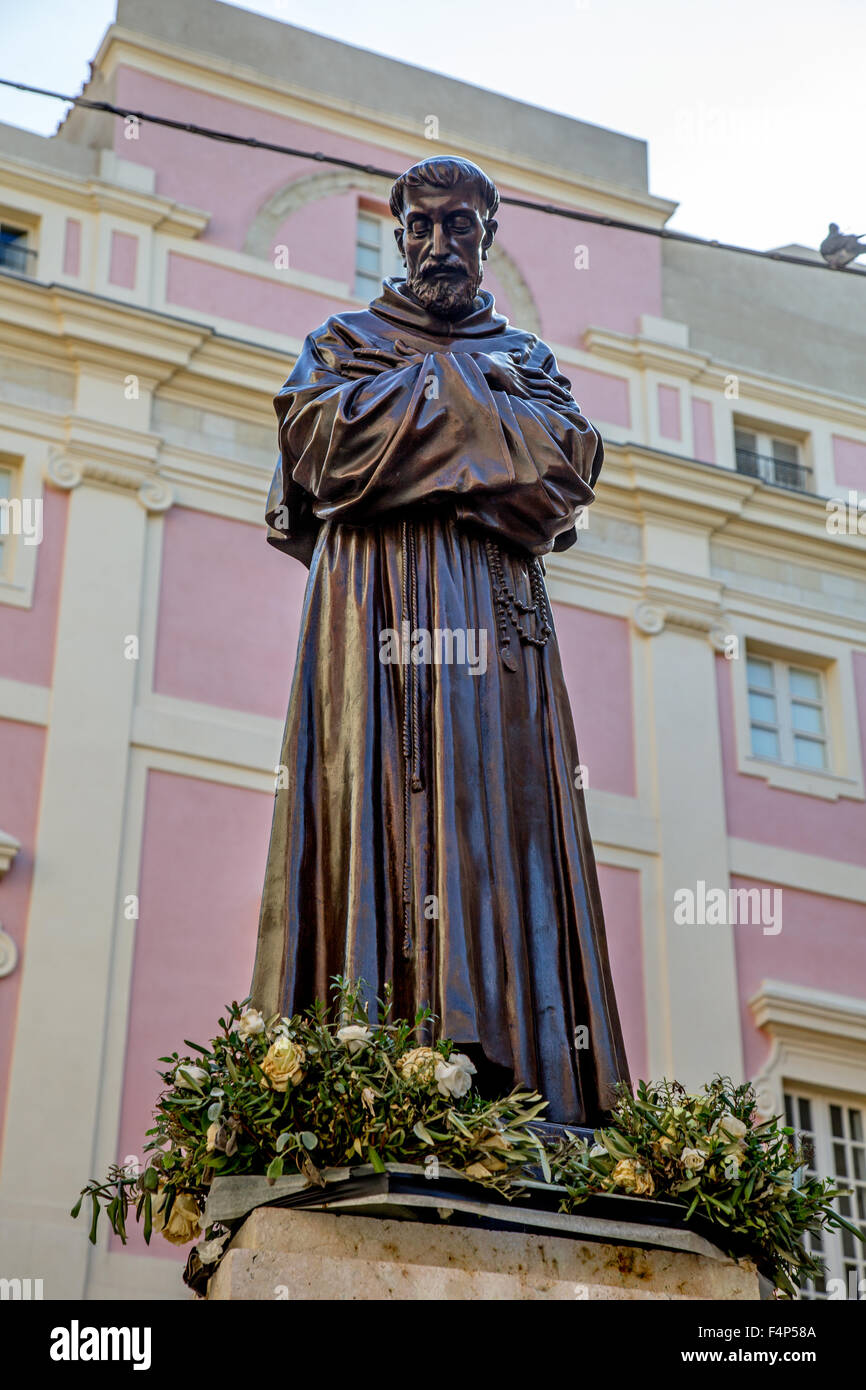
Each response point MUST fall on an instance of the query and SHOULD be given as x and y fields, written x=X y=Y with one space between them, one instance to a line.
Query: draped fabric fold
x=430 y=831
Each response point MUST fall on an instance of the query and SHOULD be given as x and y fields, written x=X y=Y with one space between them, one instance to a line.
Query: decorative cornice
x=95 y=195
x=713 y=374
x=818 y=1039
x=9 y=847
x=68 y=470
x=651 y=617
x=208 y=72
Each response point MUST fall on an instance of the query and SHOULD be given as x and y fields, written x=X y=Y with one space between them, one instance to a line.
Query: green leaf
x=423 y=1133
x=150 y=1180
x=283 y=1139
x=308 y=1139
x=545 y=1163
x=275 y=1169
x=95 y=1221
x=375 y=1159
x=77 y=1208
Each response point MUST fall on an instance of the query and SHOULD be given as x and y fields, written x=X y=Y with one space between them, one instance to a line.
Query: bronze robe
x=431 y=833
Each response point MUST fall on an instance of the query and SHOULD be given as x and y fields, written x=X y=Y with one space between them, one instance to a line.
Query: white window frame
x=848 y=1267
x=765 y=437
x=390 y=263
x=817 y=1050
x=22 y=221
x=27 y=463
x=843 y=776
x=783 y=727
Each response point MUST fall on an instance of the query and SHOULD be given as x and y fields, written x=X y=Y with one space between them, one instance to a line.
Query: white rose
x=210 y=1250
x=732 y=1127
x=692 y=1159
x=454 y=1077
x=251 y=1023
x=355 y=1036
x=190 y=1076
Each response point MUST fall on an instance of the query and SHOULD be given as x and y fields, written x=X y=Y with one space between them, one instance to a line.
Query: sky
x=754 y=111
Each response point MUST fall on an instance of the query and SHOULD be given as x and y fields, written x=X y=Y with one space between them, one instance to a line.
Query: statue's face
x=444 y=241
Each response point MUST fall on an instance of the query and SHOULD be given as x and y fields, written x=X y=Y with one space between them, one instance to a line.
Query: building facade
x=155 y=288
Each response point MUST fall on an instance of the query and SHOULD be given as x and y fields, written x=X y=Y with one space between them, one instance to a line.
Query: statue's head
x=445 y=208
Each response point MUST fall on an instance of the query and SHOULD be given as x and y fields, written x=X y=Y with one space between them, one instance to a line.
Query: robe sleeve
x=429 y=433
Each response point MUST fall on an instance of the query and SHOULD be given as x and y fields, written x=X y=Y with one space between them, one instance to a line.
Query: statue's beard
x=449 y=297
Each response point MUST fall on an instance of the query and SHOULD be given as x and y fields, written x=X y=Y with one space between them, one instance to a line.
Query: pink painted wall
x=702 y=429
x=596 y=662
x=620 y=892
x=317 y=243
x=202 y=869
x=600 y=395
x=669 y=412
x=822 y=945
x=22 y=747
x=229 y=615
x=72 y=247
x=247 y=299
x=27 y=634
x=772 y=816
x=849 y=462
x=622 y=279
x=124 y=257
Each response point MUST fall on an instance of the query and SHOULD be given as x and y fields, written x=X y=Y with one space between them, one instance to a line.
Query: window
x=5 y=525
x=772 y=460
x=376 y=255
x=15 y=254
x=787 y=715
x=832 y=1133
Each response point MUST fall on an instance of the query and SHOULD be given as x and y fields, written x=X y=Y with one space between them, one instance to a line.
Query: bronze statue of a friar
x=432 y=832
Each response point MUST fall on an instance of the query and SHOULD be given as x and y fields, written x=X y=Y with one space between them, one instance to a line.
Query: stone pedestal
x=296 y=1254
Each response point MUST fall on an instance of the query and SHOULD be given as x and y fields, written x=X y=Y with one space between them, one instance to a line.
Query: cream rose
x=190 y=1076
x=210 y=1250
x=730 y=1126
x=419 y=1065
x=251 y=1023
x=633 y=1177
x=184 y=1222
x=355 y=1036
x=284 y=1062
x=454 y=1077
x=692 y=1160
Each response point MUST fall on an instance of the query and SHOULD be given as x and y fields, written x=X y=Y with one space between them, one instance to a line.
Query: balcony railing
x=778 y=472
x=14 y=255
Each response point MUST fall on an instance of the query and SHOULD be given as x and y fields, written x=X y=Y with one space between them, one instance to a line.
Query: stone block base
x=296 y=1255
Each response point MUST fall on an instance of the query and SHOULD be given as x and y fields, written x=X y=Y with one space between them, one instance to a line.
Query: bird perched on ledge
x=840 y=248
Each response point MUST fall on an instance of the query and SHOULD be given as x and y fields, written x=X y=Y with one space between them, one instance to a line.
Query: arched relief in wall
x=272 y=214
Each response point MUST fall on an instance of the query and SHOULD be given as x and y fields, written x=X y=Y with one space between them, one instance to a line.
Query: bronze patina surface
x=432 y=832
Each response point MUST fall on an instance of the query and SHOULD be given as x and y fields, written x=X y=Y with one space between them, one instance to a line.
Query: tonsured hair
x=443 y=171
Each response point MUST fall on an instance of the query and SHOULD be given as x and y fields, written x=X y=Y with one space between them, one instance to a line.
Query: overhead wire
x=318 y=156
